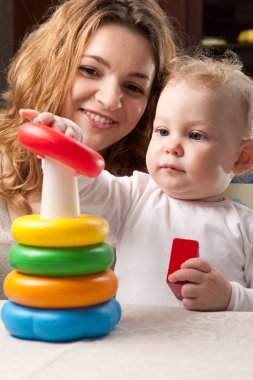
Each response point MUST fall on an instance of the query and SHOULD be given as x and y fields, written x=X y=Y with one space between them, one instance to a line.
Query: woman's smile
x=97 y=120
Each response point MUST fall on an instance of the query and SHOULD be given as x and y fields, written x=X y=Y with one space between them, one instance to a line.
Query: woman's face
x=112 y=86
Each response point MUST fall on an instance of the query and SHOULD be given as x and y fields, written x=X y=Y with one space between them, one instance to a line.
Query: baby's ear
x=245 y=160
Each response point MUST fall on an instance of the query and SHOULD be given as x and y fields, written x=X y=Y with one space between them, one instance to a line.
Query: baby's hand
x=65 y=126
x=208 y=289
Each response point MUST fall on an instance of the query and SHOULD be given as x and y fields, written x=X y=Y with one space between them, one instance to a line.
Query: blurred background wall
x=216 y=23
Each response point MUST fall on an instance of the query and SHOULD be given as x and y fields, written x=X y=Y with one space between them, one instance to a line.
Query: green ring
x=67 y=261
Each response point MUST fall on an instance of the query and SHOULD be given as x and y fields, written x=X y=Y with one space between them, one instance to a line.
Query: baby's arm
x=243 y=296
x=208 y=289
x=65 y=126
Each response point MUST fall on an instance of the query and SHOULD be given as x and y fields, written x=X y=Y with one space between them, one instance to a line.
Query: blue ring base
x=61 y=325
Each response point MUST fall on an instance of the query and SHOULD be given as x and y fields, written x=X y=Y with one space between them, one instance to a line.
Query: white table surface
x=148 y=343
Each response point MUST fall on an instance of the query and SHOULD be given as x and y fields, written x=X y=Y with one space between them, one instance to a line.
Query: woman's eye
x=197 y=136
x=135 y=89
x=88 y=70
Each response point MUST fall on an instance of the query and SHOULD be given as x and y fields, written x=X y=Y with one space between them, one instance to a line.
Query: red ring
x=45 y=141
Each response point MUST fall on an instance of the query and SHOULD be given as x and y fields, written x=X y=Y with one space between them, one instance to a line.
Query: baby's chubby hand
x=65 y=126
x=206 y=287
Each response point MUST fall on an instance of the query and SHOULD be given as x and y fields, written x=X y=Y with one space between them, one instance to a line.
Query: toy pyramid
x=61 y=288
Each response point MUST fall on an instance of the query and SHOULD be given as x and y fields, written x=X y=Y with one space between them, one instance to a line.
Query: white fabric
x=149 y=343
x=145 y=221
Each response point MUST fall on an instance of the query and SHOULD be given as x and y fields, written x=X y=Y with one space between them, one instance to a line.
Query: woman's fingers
x=65 y=126
x=28 y=113
x=45 y=118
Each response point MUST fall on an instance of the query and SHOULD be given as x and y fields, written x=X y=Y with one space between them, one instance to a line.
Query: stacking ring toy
x=86 y=230
x=45 y=141
x=60 y=325
x=60 y=292
x=71 y=261
x=61 y=289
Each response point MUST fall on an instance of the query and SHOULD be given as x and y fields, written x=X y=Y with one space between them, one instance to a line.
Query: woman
x=98 y=62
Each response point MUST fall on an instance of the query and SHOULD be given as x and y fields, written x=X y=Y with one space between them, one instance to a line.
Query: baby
x=202 y=138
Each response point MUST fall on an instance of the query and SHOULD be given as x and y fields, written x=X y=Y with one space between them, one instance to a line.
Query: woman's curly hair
x=43 y=70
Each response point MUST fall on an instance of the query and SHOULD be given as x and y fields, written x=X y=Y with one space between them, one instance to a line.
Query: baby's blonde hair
x=226 y=72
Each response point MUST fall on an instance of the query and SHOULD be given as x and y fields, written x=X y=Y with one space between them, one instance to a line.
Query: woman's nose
x=110 y=96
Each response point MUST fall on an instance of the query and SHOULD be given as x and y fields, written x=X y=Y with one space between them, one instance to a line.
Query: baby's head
x=224 y=74
x=203 y=128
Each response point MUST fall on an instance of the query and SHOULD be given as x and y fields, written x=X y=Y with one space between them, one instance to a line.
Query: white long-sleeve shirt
x=145 y=221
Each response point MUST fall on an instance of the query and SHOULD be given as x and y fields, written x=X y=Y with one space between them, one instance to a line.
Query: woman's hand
x=65 y=126
x=208 y=289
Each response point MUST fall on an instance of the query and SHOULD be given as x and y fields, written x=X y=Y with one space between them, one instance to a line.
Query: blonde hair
x=226 y=72
x=43 y=71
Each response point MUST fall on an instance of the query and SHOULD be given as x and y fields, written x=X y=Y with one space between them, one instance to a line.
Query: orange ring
x=63 y=292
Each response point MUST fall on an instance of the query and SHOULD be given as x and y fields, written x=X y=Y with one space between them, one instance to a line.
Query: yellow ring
x=60 y=292
x=86 y=230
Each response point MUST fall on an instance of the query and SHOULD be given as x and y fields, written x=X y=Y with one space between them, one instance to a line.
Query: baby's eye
x=194 y=135
x=163 y=132
x=88 y=70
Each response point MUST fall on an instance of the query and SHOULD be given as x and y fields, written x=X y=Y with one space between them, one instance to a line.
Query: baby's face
x=195 y=143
